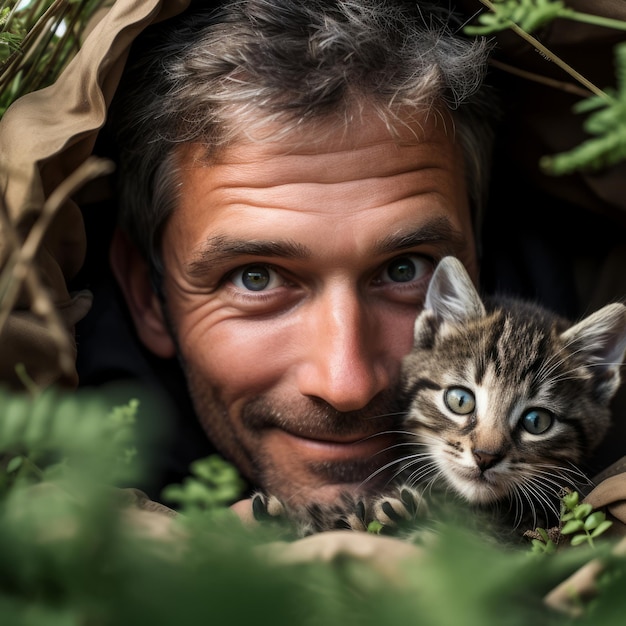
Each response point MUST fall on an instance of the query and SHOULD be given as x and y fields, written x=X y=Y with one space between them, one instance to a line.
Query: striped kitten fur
x=504 y=400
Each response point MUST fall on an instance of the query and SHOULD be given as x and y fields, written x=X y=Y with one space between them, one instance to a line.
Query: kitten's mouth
x=476 y=486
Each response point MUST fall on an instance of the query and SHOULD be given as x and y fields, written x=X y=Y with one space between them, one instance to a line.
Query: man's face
x=293 y=275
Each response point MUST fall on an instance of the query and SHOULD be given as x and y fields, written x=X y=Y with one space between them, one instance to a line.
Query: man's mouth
x=325 y=447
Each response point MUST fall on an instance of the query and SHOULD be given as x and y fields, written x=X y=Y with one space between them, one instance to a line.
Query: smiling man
x=285 y=194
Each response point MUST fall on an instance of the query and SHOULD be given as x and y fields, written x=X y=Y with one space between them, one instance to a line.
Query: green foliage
x=531 y=15
x=607 y=125
x=9 y=39
x=70 y=554
x=544 y=544
x=37 y=40
x=213 y=483
x=581 y=521
x=528 y=14
x=39 y=434
x=578 y=521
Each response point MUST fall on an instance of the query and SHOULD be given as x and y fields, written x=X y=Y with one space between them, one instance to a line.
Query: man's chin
x=325 y=492
x=303 y=470
x=322 y=495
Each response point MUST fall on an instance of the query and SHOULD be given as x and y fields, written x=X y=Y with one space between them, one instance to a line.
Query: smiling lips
x=336 y=448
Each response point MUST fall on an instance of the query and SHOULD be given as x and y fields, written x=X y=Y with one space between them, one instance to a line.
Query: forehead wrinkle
x=221 y=249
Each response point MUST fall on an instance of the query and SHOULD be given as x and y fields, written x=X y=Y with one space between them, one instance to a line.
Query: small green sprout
x=544 y=544
x=581 y=521
x=374 y=527
x=578 y=520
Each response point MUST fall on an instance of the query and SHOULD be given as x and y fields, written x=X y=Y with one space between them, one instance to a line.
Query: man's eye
x=256 y=278
x=404 y=269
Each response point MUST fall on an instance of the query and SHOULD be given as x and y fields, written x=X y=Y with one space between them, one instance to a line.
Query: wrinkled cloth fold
x=45 y=136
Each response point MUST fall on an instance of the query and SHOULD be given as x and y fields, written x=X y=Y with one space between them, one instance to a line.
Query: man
x=285 y=193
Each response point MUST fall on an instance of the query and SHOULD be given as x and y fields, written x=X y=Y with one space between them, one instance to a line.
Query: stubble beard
x=310 y=481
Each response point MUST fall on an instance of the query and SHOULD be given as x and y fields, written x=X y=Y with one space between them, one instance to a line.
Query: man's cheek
x=237 y=359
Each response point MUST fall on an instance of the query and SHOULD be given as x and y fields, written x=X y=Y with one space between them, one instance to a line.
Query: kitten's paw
x=267 y=507
x=402 y=506
x=398 y=508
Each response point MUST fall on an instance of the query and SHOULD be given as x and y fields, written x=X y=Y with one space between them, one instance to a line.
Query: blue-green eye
x=256 y=278
x=404 y=269
x=460 y=400
x=537 y=421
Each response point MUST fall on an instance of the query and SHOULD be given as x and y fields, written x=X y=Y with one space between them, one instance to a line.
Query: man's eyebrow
x=221 y=249
x=436 y=231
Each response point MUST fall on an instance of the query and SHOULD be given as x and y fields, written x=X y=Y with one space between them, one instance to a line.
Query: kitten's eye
x=537 y=421
x=460 y=400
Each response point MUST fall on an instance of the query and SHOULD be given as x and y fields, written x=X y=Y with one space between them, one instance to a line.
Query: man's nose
x=344 y=362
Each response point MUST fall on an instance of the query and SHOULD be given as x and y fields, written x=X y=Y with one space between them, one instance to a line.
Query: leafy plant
x=578 y=520
x=581 y=521
x=531 y=15
x=213 y=483
x=37 y=40
x=71 y=552
x=607 y=125
x=41 y=434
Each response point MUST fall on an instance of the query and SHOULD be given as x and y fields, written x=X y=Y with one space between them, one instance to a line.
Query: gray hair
x=214 y=75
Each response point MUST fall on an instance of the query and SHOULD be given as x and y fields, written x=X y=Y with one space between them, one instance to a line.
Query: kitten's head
x=505 y=401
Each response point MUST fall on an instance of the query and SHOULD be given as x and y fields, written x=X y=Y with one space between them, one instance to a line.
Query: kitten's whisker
x=422 y=468
x=382 y=469
x=578 y=472
x=535 y=487
x=586 y=365
x=552 y=363
x=382 y=433
x=527 y=494
x=548 y=367
x=428 y=488
x=394 y=446
x=383 y=415
x=407 y=433
x=419 y=433
x=418 y=476
x=519 y=508
x=414 y=458
x=572 y=475
x=549 y=478
x=572 y=469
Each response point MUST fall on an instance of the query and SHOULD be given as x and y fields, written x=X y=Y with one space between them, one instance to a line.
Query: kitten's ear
x=451 y=294
x=601 y=339
x=451 y=298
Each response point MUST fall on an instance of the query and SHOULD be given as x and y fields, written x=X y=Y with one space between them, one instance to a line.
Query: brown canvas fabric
x=43 y=138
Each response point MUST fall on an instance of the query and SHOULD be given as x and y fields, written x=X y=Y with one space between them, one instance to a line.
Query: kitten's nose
x=486 y=459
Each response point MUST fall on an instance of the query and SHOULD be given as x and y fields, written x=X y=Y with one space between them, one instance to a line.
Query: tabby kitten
x=504 y=400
